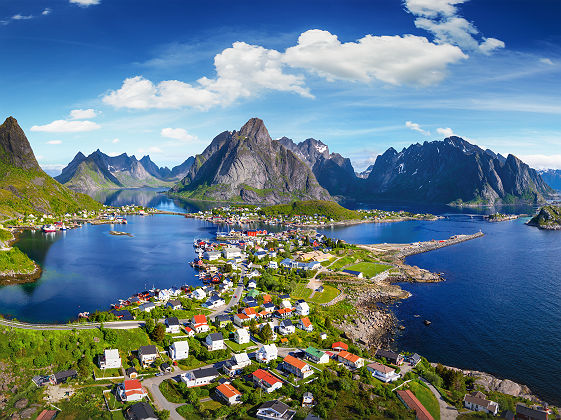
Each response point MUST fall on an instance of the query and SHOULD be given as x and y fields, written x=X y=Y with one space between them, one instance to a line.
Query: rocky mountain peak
x=255 y=129
x=14 y=146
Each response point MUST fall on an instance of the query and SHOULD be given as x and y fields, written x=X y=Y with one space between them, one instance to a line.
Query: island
x=500 y=217
x=548 y=218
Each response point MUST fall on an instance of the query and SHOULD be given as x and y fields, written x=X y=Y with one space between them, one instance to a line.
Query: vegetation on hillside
x=549 y=217
x=327 y=209
x=14 y=261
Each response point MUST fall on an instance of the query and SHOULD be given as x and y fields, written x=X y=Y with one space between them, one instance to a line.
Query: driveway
x=447 y=412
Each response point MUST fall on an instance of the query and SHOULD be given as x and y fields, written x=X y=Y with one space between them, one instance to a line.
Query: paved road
x=234 y=301
x=447 y=412
x=84 y=326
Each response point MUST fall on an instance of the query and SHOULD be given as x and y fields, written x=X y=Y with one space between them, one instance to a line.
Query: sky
x=164 y=78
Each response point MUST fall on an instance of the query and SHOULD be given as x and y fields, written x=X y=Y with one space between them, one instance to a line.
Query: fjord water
x=498 y=310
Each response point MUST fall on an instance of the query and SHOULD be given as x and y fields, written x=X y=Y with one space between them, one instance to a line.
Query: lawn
x=301 y=291
x=171 y=391
x=329 y=293
x=238 y=348
x=426 y=397
x=340 y=263
x=369 y=269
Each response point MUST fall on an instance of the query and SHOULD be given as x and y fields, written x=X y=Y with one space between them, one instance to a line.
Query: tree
x=149 y=325
x=159 y=333
x=266 y=333
x=163 y=414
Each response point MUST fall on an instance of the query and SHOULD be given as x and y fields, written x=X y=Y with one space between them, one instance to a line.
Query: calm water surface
x=498 y=310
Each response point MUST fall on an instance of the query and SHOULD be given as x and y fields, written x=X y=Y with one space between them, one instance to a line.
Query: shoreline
x=11 y=277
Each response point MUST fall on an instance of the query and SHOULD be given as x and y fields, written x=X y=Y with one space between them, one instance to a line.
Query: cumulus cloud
x=83 y=114
x=86 y=3
x=546 y=61
x=416 y=127
x=244 y=70
x=539 y=161
x=22 y=17
x=54 y=142
x=64 y=126
x=46 y=11
x=441 y=18
x=446 y=132
x=178 y=134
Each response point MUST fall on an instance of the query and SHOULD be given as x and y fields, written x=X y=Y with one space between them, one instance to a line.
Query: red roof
x=339 y=344
x=228 y=390
x=413 y=403
x=267 y=298
x=344 y=354
x=306 y=322
x=249 y=311
x=199 y=319
x=265 y=376
x=47 y=415
x=297 y=363
x=133 y=387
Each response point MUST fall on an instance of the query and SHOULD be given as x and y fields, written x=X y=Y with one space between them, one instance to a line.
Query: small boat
x=427 y=322
x=48 y=228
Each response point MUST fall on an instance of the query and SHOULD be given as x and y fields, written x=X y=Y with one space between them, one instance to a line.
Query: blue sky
x=163 y=78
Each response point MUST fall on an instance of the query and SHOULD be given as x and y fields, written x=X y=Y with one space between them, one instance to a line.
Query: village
x=260 y=340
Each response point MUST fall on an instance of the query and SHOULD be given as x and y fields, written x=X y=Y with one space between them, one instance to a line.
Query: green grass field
x=301 y=292
x=329 y=293
x=426 y=397
x=368 y=269
x=238 y=347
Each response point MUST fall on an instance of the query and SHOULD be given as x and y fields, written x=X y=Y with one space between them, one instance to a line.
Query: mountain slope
x=552 y=177
x=24 y=187
x=453 y=171
x=248 y=166
x=333 y=172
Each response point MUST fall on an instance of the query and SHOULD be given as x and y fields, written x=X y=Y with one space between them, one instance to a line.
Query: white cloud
x=152 y=149
x=539 y=161
x=546 y=61
x=115 y=141
x=178 y=134
x=54 y=142
x=440 y=17
x=416 y=127
x=46 y=12
x=63 y=126
x=446 y=132
x=83 y=114
x=22 y=17
x=85 y=3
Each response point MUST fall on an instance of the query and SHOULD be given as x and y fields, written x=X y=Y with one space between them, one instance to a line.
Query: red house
x=339 y=346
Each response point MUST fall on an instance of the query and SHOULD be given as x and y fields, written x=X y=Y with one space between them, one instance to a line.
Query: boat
x=48 y=228
x=427 y=322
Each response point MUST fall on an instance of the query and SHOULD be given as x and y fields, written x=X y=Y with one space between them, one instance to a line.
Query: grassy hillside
x=327 y=209
x=549 y=217
x=32 y=191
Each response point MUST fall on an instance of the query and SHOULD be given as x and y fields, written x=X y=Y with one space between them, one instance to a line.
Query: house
x=165 y=367
x=198 y=294
x=266 y=381
x=414 y=359
x=524 y=412
x=313 y=265
x=253 y=274
x=131 y=373
x=240 y=319
x=350 y=360
x=174 y=304
x=231 y=252
x=316 y=356
x=412 y=403
x=179 y=350
x=229 y=394
x=241 y=336
x=323 y=336
x=236 y=363
x=146 y=307
x=477 y=401
x=267 y=353
x=211 y=255
x=382 y=372
x=147 y=354
x=140 y=411
x=283 y=312
x=286 y=304
x=252 y=293
x=286 y=263
x=252 y=284
x=307 y=399
x=275 y=410
x=110 y=359
x=305 y=324
x=354 y=273
x=286 y=327
x=215 y=341
x=267 y=299
x=390 y=356
x=47 y=415
x=297 y=367
x=122 y=315
x=222 y=320
x=302 y=308
x=189 y=331
x=339 y=345
x=213 y=302
x=273 y=265
x=131 y=390
x=199 y=323
x=172 y=325
x=250 y=312
x=261 y=254
x=200 y=377
x=62 y=376
x=250 y=302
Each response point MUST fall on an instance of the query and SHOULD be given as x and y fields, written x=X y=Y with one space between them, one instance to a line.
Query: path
x=447 y=412
x=234 y=301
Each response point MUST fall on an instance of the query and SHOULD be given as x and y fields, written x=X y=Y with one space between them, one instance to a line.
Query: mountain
x=333 y=172
x=24 y=187
x=364 y=174
x=99 y=171
x=548 y=217
x=247 y=165
x=552 y=177
x=453 y=171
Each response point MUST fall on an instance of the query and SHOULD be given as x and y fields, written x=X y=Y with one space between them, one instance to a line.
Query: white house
x=147 y=354
x=286 y=327
x=131 y=390
x=213 y=302
x=267 y=353
x=228 y=393
x=146 y=307
x=199 y=323
x=273 y=264
x=198 y=294
x=241 y=336
x=252 y=284
x=200 y=377
x=174 y=304
x=215 y=341
x=382 y=372
x=477 y=401
x=316 y=356
x=286 y=304
x=179 y=350
x=231 y=252
x=265 y=380
x=297 y=367
x=302 y=308
x=110 y=359
x=273 y=410
x=305 y=324
x=172 y=325
x=236 y=363
x=211 y=255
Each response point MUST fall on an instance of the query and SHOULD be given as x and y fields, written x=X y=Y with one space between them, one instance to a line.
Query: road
x=447 y=412
x=84 y=326
x=234 y=301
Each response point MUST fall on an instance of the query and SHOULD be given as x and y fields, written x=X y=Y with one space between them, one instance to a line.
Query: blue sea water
x=498 y=310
